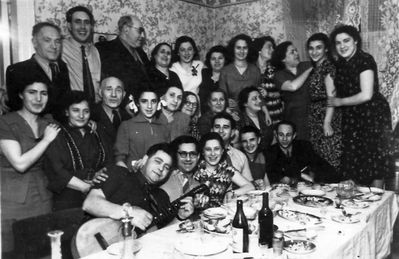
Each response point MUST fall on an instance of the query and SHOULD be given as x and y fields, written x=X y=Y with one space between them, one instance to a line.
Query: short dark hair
x=215 y=49
x=258 y=44
x=232 y=43
x=154 y=52
x=286 y=122
x=226 y=116
x=180 y=41
x=165 y=147
x=348 y=29
x=212 y=136
x=79 y=8
x=20 y=86
x=38 y=26
x=279 y=54
x=72 y=98
x=323 y=38
x=140 y=92
x=249 y=129
x=244 y=95
x=184 y=139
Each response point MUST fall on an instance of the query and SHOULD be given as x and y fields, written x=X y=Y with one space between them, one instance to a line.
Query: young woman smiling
x=324 y=122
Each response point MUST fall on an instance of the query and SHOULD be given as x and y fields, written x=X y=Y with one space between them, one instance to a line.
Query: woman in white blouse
x=187 y=65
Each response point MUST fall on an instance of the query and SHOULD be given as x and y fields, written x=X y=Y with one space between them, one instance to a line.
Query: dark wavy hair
x=179 y=42
x=184 y=139
x=79 y=8
x=323 y=38
x=248 y=129
x=279 y=54
x=20 y=85
x=348 y=29
x=286 y=122
x=154 y=52
x=212 y=136
x=226 y=116
x=72 y=98
x=232 y=43
x=216 y=49
x=244 y=95
x=165 y=147
x=258 y=44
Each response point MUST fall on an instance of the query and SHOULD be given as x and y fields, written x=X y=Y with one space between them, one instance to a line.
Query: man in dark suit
x=124 y=58
x=290 y=160
x=107 y=112
x=45 y=66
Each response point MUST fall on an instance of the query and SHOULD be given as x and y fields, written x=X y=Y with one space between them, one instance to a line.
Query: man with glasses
x=187 y=156
x=80 y=54
x=124 y=57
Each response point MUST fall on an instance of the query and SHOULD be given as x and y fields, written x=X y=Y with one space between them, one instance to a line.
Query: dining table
x=367 y=236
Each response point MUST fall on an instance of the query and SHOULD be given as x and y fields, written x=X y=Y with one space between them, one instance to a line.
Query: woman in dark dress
x=158 y=71
x=366 y=117
x=24 y=137
x=77 y=157
x=214 y=61
x=263 y=49
x=324 y=122
x=290 y=79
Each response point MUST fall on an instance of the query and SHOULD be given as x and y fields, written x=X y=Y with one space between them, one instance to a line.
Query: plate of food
x=313 y=192
x=313 y=201
x=299 y=246
x=215 y=213
x=199 y=246
x=370 y=197
x=345 y=219
x=355 y=204
x=373 y=190
x=221 y=226
x=186 y=226
x=116 y=248
x=297 y=216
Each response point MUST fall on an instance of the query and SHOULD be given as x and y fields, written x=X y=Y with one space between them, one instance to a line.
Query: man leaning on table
x=291 y=160
x=139 y=189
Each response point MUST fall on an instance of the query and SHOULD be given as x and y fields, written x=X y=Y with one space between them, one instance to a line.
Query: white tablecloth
x=369 y=239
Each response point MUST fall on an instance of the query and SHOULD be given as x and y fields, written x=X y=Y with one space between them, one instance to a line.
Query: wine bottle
x=240 y=230
x=265 y=223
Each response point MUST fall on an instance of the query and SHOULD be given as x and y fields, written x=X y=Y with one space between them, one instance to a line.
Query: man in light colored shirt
x=80 y=22
x=225 y=125
x=187 y=156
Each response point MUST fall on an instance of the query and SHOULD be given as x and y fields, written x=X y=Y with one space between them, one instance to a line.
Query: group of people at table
x=127 y=129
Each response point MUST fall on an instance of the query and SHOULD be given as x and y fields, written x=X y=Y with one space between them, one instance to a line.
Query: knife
x=304 y=229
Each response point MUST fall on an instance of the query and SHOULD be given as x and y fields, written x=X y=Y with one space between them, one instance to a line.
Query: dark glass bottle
x=265 y=223
x=240 y=230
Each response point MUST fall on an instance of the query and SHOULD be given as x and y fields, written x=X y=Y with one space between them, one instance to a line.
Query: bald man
x=107 y=112
x=124 y=57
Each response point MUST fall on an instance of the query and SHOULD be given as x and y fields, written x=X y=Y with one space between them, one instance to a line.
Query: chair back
x=30 y=234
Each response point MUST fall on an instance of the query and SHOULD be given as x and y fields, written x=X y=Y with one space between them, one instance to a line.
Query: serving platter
x=355 y=204
x=299 y=217
x=312 y=201
x=346 y=220
x=201 y=246
x=299 y=246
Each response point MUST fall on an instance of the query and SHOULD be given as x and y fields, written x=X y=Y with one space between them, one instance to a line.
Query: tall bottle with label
x=240 y=230
x=265 y=223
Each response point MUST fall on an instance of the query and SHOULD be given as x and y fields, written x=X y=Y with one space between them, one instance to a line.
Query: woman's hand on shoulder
x=51 y=132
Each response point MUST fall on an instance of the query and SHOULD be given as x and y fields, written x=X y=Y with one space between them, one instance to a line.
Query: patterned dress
x=328 y=148
x=219 y=180
x=366 y=127
x=273 y=97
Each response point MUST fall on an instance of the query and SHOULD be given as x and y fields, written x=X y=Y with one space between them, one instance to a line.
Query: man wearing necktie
x=107 y=113
x=124 y=57
x=45 y=66
x=80 y=54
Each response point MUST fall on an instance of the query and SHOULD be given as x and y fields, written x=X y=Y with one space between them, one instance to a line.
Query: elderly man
x=140 y=190
x=290 y=160
x=45 y=66
x=124 y=58
x=107 y=112
x=79 y=53
x=181 y=179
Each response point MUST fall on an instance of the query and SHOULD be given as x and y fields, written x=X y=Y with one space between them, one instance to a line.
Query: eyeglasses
x=140 y=30
x=184 y=154
x=191 y=104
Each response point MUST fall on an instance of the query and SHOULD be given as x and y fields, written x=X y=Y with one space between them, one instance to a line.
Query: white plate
x=374 y=190
x=353 y=204
x=313 y=192
x=201 y=247
x=115 y=249
x=299 y=246
x=215 y=213
x=346 y=220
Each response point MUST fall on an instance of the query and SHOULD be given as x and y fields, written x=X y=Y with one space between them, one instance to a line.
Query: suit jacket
x=104 y=123
x=117 y=61
x=19 y=73
x=279 y=165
